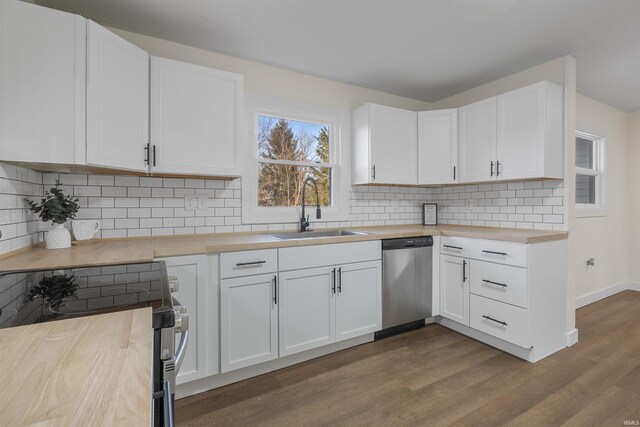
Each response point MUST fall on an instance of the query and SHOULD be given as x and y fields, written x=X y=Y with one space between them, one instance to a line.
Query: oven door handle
x=169 y=413
x=184 y=336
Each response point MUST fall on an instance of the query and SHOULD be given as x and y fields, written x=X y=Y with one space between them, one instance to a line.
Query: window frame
x=599 y=208
x=339 y=132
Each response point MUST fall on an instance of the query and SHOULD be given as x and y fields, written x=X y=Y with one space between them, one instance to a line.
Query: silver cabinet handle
x=498 y=168
x=464 y=271
x=373 y=172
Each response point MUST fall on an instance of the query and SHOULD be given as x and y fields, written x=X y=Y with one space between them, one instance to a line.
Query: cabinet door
x=454 y=288
x=248 y=321
x=438 y=146
x=520 y=139
x=358 y=301
x=394 y=145
x=196 y=292
x=194 y=118
x=477 y=132
x=117 y=101
x=307 y=309
x=42 y=84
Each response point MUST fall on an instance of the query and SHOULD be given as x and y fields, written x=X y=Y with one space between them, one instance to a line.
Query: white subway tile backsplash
x=520 y=204
x=131 y=206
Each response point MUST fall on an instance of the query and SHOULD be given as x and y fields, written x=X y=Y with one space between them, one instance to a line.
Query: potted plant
x=56 y=207
x=54 y=290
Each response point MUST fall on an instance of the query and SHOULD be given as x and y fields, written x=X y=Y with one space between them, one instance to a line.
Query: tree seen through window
x=288 y=152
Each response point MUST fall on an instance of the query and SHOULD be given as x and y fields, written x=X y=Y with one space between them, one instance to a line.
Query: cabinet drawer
x=500 y=282
x=504 y=321
x=458 y=246
x=497 y=251
x=331 y=254
x=246 y=263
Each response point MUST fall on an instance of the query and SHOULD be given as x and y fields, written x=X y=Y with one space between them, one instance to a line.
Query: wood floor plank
x=435 y=376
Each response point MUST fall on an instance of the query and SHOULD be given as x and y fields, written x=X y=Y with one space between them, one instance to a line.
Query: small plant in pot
x=53 y=290
x=56 y=207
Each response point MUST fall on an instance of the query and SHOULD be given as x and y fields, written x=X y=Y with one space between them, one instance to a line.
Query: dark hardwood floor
x=434 y=376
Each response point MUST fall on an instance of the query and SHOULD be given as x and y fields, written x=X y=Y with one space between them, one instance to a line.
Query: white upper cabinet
x=195 y=114
x=478 y=141
x=516 y=135
x=438 y=146
x=385 y=145
x=42 y=84
x=529 y=137
x=117 y=101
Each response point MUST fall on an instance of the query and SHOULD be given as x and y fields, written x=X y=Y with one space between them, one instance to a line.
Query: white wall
x=269 y=80
x=604 y=238
x=552 y=71
x=633 y=195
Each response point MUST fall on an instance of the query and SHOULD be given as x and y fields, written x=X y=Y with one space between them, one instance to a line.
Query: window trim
x=599 y=208
x=339 y=140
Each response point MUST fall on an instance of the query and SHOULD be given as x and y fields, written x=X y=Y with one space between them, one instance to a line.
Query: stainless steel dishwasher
x=407 y=284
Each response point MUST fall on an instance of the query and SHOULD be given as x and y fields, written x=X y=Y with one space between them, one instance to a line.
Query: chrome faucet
x=304 y=222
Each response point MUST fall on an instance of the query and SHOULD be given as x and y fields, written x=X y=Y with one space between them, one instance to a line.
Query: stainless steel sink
x=315 y=234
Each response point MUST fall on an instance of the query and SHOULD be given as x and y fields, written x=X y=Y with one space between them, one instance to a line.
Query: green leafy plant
x=55 y=206
x=54 y=289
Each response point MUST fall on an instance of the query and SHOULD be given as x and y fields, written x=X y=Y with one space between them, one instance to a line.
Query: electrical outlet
x=591 y=262
x=468 y=203
x=190 y=202
x=203 y=202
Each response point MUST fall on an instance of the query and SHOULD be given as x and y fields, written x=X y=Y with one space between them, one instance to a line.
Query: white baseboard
x=604 y=293
x=572 y=337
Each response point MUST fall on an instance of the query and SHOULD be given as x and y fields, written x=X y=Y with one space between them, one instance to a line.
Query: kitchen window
x=290 y=141
x=590 y=175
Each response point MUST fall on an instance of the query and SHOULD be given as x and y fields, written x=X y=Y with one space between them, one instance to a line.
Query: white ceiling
x=423 y=49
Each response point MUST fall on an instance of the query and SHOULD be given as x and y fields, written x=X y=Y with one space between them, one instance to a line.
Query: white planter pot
x=58 y=237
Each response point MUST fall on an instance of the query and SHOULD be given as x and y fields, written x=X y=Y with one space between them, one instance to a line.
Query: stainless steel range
x=51 y=295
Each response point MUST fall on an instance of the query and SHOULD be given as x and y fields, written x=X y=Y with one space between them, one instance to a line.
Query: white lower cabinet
x=307 y=309
x=198 y=294
x=504 y=321
x=301 y=299
x=358 y=300
x=323 y=305
x=454 y=288
x=512 y=291
x=248 y=321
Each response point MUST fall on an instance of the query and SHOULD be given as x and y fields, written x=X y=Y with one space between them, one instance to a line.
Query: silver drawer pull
x=248 y=264
x=494 y=320
x=494 y=283
x=452 y=247
x=495 y=253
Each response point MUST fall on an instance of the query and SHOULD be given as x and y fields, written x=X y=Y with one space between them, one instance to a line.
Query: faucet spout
x=304 y=221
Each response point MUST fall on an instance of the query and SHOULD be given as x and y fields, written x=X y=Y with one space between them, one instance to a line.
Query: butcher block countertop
x=93 y=370
x=119 y=251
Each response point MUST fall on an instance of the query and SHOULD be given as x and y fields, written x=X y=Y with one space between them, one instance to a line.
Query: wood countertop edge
x=99 y=252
